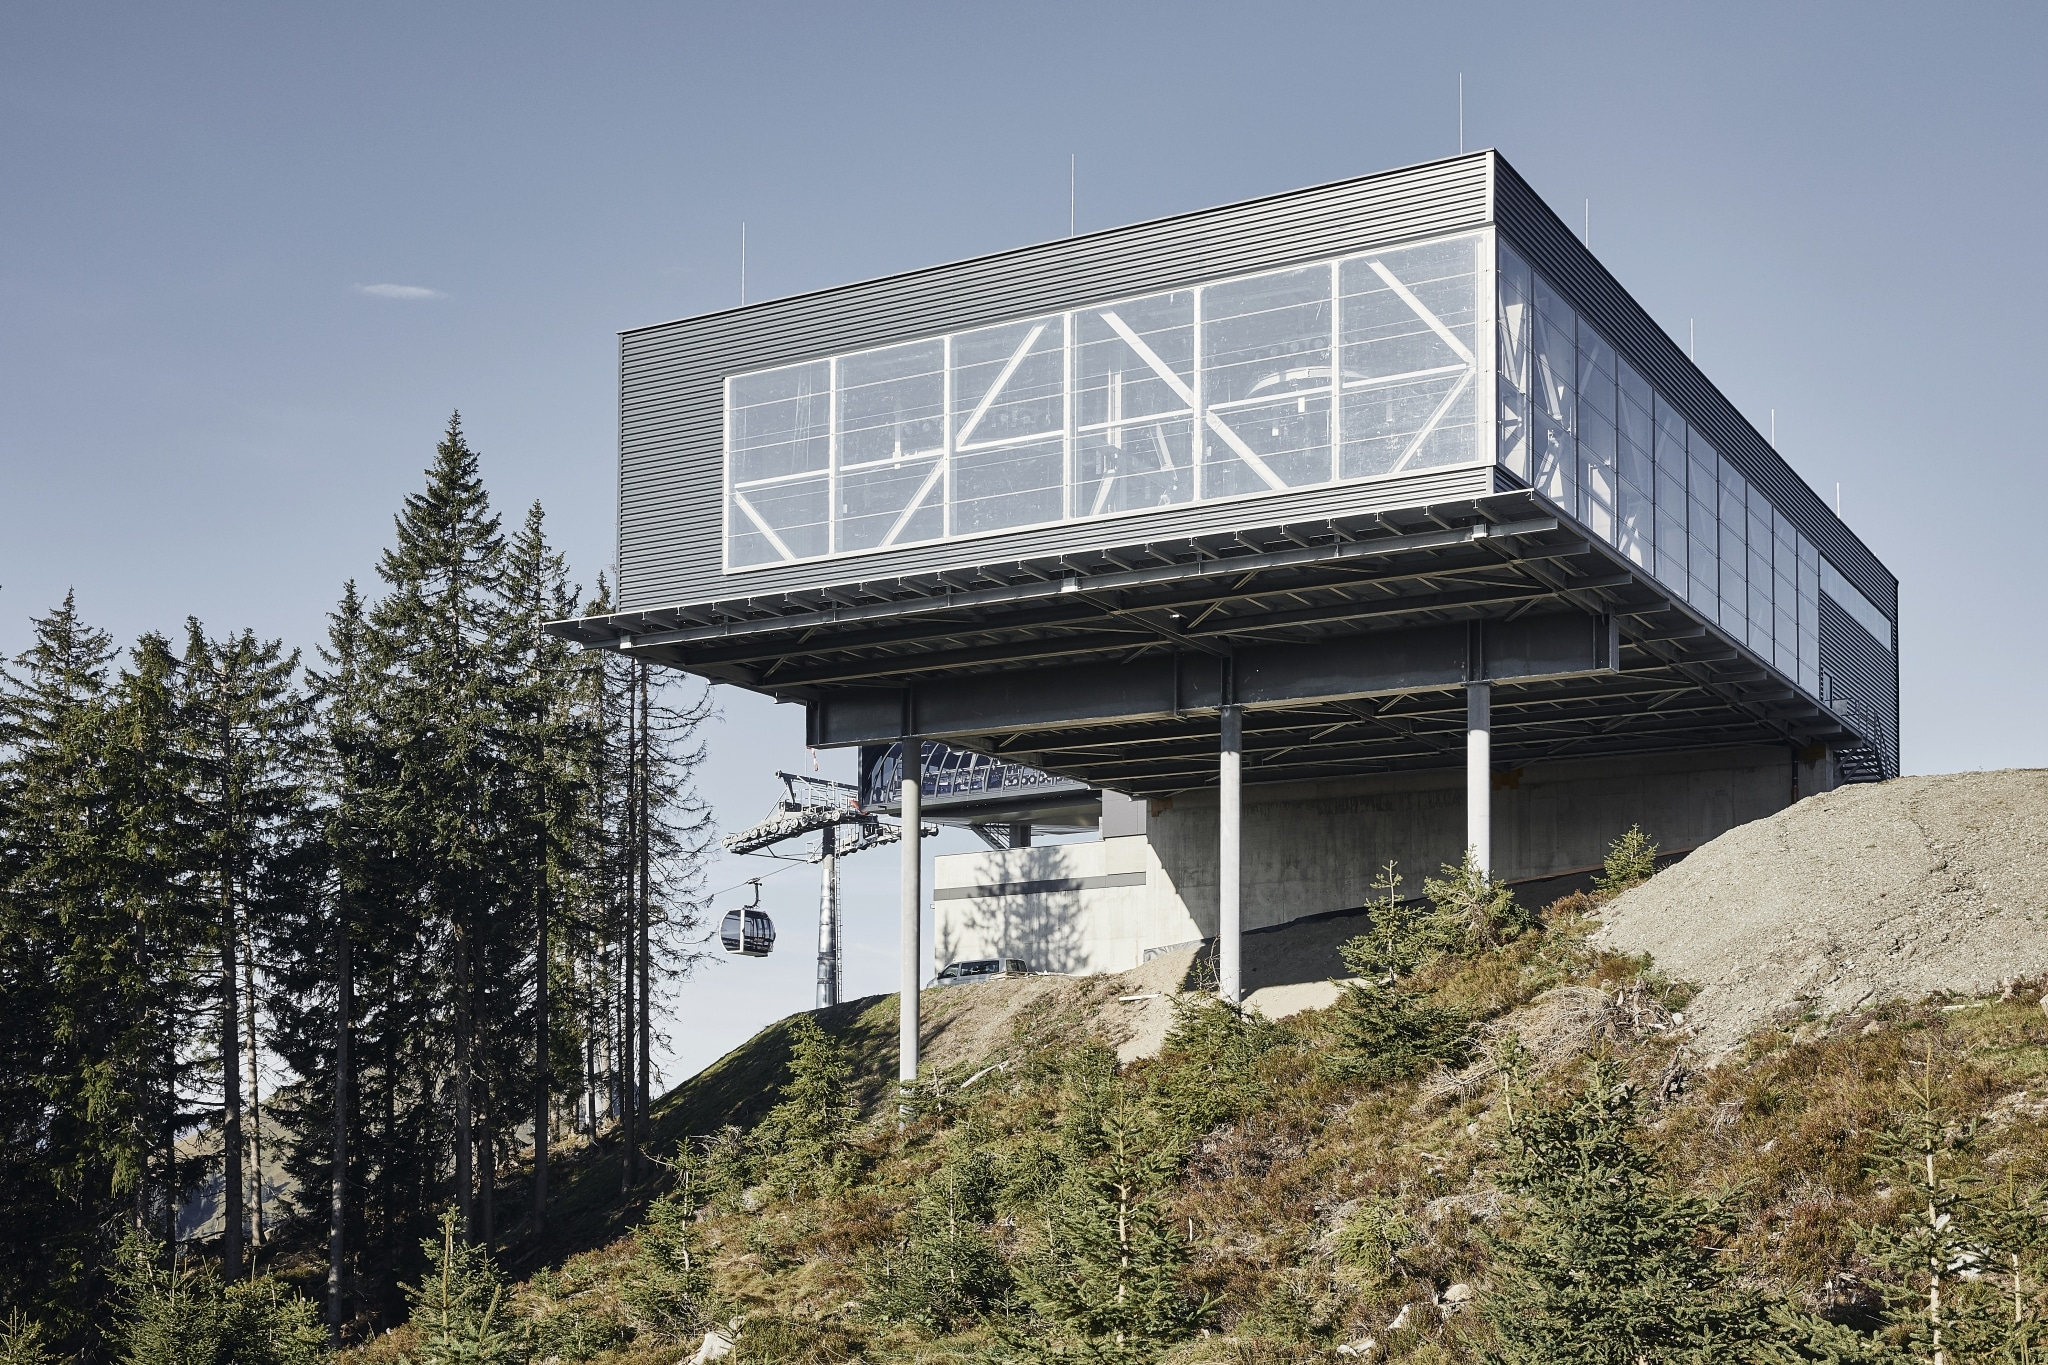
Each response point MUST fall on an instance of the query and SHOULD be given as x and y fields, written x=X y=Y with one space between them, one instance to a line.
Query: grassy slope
x=1784 y=1130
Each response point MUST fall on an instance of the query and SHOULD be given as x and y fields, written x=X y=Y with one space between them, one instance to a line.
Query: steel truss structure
x=1349 y=642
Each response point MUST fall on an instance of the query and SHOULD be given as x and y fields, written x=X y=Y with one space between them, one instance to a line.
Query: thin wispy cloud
x=399 y=291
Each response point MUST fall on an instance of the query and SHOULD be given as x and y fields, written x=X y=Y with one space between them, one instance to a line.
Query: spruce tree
x=245 y=725
x=1606 y=1266
x=1384 y=1030
x=946 y=1270
x=802 y=1140
x=1107 y=1273
x=78 y=1063
x=668 y=1287
x=433 y=638
x=458 y=1307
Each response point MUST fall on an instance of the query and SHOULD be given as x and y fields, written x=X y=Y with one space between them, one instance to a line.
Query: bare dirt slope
x=1130 y=1011
x=1894 y=890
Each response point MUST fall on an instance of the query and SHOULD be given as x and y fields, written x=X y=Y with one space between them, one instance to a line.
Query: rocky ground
x=1897 y=890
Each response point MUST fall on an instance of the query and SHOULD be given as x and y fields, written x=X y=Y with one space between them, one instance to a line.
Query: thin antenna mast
x=1461 y=113
x=1774 y=428
x=1691 y=349
x=1073 y=162
x=743 y=262
x=1589 y=225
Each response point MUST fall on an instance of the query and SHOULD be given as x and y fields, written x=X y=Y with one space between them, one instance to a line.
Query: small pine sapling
x=458 y=1307
x=182 y=1314
x=1385 y=1031
x=1932 y=1256
x=802 y=1140
x=1471 y=911
x=947 y=1270
x=1631 y=860
x=1108 y=1275
x=21 y=1341
x=1606 y=1267
x=668 y=1289
x=1208 y=1070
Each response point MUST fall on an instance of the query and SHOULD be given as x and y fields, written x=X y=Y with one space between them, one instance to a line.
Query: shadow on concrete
x=1306 y=949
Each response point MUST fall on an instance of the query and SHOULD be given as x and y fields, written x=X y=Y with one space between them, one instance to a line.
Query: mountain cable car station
x=1373 y=521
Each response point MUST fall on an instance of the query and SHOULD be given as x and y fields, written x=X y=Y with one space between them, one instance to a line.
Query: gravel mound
x=1892 y=890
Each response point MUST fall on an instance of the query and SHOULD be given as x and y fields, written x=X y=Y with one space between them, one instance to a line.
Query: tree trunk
x=231 y=1091
x=255 y=1098
x=629 y=1138
x=486 y=1178
x=543 y=1075
x=465 y=1136
x=646 y=826
x=337 y=1210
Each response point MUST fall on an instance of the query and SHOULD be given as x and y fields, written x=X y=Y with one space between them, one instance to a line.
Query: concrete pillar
x=1020 y=834
x=910 y=935
x=828 y=918
x=1229 y=881
x=1479 y=773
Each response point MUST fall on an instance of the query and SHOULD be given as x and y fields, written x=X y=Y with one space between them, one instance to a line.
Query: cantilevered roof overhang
x=1348 y=640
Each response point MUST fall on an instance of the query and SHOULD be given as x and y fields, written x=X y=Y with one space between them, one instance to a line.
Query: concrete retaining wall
x=1313 y=848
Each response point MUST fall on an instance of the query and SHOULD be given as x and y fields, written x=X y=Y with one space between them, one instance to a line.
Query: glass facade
x=1366 y=366
x=1362 y=367
x=1592 y=435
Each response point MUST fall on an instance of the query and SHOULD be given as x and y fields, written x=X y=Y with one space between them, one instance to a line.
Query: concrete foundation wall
x=1313 y=848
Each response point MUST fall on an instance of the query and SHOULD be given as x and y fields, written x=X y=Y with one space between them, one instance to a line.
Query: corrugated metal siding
x=671 y=376
x=1529 y=225
x=1863 y=678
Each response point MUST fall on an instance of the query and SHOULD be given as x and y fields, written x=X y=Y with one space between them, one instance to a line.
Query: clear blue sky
x=203 y=411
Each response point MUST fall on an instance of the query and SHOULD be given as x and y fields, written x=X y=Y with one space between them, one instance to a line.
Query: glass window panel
x=891 y=502
x=1597 y=494
x=1636 y=526
x=1266 y=382
x=1266 y=336
x=1734 y=520
x=1671 y=550
x=1415 y=425
x=1126 y=466
x=1254 y=447
x=1638 y=406
x=1134 y=359
x=1009 y=382
x=779 y=520
x=1635 y=467
x=778 y=423
x=1018 y=484
x=892 y=403
x=1554 y=370
x=1410 y=325
x=1598 y=498
x=1517 y=302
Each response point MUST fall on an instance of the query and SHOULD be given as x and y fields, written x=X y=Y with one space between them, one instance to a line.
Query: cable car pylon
x=832 y=811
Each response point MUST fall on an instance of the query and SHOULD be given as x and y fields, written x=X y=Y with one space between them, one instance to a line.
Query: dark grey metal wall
x=671 y=376
x=1863 y=679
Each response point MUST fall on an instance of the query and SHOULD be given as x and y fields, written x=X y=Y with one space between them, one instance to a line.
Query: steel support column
x=828 y=918
x=910 y=933
x=1229 y=881
x=1479 y=774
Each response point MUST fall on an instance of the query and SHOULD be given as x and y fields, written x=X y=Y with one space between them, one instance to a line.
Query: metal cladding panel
x=1532 y=229
x=1863 y=678
x=671 y=376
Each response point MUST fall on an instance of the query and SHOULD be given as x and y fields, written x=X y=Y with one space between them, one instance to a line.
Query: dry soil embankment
x=1895 y=890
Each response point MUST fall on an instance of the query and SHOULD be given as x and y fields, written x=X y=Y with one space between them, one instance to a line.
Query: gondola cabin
x=749 y=932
